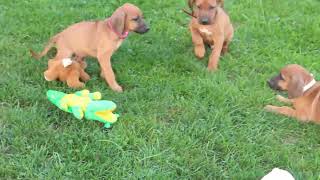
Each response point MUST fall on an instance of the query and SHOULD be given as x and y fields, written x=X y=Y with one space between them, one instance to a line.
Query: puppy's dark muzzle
x=204 y=21
x=273 y=85
x=142 y=29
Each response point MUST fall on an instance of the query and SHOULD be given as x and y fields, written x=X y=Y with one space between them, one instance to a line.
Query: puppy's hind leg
x=62 y=51
x=81 y=61
x=225 y=47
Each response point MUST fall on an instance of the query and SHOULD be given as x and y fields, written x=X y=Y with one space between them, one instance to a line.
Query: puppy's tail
x=50 y=44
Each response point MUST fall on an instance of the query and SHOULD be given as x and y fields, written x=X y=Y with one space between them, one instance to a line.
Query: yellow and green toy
x=84 y=104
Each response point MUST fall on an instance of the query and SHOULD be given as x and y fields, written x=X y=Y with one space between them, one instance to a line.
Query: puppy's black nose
x=147 y=29
x=204 y=21
x=270 y=83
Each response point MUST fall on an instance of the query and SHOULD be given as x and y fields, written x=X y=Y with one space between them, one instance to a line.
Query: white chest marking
x=205 y=31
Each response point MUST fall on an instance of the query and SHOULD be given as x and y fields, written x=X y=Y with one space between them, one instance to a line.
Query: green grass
x=177 y=120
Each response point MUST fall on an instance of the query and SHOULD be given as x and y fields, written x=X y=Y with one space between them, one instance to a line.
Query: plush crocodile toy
x=84 y=104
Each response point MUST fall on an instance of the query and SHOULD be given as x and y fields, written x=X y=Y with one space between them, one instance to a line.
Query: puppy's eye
x=212 y=7
x=136 y=19
x=281 y=77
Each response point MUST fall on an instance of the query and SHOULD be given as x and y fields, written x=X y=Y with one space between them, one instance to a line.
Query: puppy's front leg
x=215 y=55
x=199 y=48
x=287 y=111
x=105 y=64
x=283 y=99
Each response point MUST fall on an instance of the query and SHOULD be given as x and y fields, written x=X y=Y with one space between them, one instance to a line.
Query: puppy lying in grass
x=303 y=91
x=66 y=70
x=210 y=25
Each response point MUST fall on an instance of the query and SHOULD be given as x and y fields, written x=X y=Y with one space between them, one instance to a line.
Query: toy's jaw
x=107 y=115
x=55 y=97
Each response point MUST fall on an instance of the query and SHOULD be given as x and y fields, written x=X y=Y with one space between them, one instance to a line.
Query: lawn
x=178 y=121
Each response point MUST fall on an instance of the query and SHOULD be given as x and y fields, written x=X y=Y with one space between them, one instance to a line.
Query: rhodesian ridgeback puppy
x=98 y=39
x=210 y=25
x=303 y=92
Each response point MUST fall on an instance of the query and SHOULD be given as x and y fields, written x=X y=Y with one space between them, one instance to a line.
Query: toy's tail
x=50 y=44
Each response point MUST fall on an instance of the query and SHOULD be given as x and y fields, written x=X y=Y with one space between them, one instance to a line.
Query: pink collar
x=121 y=36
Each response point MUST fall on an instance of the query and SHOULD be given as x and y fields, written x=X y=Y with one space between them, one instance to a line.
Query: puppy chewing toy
x=84 y=104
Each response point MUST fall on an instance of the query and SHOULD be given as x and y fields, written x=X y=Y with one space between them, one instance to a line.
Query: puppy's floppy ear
x=220 y=3
x=191 y=3
x=295 y=86
x=118 y=20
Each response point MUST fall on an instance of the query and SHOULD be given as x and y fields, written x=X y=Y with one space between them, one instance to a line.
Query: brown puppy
x=303 y=91
x=98 y=39
x=66 y=70
x=210 y=25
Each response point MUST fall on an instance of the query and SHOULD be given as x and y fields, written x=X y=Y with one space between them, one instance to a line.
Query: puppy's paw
x=199 y=51
x=283 y=99
x=224 y=51
x=212 y=68
x=269 y=108
x=117 y=88
x=279 y=97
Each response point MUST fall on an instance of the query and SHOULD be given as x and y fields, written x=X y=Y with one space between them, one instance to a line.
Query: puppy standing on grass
x=98 y=39
x=303 y=92
x=210 y=25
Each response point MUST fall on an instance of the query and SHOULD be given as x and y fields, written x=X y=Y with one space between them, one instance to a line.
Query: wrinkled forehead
x=206 y=3
x=293 y=69
x=132 y=10
x=287 y=72
x=284 y=71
